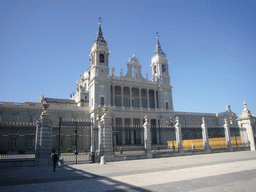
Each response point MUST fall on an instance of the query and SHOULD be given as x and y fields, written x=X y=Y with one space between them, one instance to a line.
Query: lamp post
x=59 y=136
x=92 y=141
x=115 y=133
x=76 y=153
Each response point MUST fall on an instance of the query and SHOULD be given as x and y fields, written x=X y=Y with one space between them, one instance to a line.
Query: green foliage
x=68 y=150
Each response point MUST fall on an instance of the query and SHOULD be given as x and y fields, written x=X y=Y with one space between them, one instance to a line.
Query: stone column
x=92 y=137
x=132 y=132
x=109 y=95
x=114 y=134
x=100 y=129
x=157 y=132
x=142 y=131
x=131 y=97
x=246 y=121
x=155 y=100
x=147 y=138
x=107 y=133
x=43 y=144
x=140 y=98
x=178 y=134
x=148 y=98
x=113 y=92
x=205 y=134
x=123 y=132
x=227 y=133
x=122 y=95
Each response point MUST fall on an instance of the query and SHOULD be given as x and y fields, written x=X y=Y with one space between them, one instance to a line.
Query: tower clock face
x=163 y=68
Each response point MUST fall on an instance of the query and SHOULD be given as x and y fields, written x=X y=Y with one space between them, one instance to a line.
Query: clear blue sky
x=210 y=45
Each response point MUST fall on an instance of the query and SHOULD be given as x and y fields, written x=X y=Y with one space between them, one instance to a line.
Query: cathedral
x=127 y=98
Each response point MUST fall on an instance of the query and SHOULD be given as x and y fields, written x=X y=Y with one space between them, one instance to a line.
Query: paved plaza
x=234 y=171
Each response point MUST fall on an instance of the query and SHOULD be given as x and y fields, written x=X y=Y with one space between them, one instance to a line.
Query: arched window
x=154 y=69
x=101 y=58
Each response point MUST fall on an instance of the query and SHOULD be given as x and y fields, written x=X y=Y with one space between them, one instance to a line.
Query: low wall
x=30 y=162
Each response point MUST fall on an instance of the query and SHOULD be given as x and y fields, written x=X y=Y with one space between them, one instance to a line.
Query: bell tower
x=159 y=64
x=99 y=56
x=98 y=72
x=160 y=75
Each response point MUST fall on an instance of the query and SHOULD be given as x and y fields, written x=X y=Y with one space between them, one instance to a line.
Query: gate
x=75 y=128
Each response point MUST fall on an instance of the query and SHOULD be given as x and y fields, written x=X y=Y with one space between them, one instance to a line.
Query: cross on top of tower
x=157 y=35
x=100 y=21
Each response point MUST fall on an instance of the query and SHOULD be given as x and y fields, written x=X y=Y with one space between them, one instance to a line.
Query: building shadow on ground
x=66 y=178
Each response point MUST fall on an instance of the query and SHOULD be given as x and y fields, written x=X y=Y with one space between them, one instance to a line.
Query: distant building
x=128 y=98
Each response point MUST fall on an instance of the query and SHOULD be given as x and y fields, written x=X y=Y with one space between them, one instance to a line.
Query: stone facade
x=128 y=98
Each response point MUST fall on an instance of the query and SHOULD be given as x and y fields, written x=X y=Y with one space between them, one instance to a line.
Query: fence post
x=227 y=133
x=205 y=134
x=43 y=143
x=147 y=138
x=106 y=136
x=246 y=120
x=178 y=134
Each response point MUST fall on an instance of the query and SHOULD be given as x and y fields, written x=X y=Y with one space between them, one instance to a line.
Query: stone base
x=149 y=155
x=102 y=160
x=43 y=161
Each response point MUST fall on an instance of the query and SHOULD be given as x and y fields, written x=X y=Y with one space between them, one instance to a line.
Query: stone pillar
x=147 y=137
x=205 y=134
x=123 y=132
x=157 y=132
x=114 y=134
x=178 y=134
x=113 y=92
x=100 y=135
x=245 y=121
x=92 y=137
x=227 y=133
x=43 y=143
x=122 y=96
x=142 y=131
x=140 y=97
x=109 y=95
x=148 y=98
x=132 y=132
x=106 y=136
x=155 y=99
x=131 y=97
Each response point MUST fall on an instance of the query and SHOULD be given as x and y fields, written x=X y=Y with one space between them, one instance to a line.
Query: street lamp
x=76 y=153
x=92 y=141
x=60 y=117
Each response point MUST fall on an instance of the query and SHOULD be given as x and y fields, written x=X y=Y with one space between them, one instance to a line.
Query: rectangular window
x=13 y=142
x=31 y=118
x=73 y=142
x=30 y=142
x=102 y=100
x=15 y=117
x=166 y=105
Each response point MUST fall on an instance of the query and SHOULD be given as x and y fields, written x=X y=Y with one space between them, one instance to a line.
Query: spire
x=99 y=37
x=158 y=46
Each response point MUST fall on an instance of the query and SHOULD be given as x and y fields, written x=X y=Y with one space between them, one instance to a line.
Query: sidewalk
x=136 y=175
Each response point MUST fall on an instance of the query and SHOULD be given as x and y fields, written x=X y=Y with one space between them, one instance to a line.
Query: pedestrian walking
x=54 y=160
